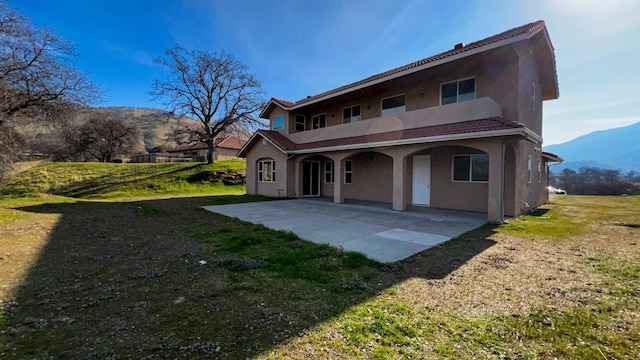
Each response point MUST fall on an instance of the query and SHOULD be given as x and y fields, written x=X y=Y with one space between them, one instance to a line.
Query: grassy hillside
x=154 y=124
x=105 y=180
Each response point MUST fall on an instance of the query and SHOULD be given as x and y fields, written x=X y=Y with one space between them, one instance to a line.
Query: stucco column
x=338 y=195
x=495 y=211
x=297 y=178
x=399 y=173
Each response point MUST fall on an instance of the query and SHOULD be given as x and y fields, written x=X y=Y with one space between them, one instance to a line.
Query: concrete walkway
x=375 y=230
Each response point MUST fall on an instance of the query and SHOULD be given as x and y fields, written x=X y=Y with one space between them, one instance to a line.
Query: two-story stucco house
x=458 y=130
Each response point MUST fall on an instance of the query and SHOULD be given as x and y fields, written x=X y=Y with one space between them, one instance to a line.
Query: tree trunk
x=210 y=151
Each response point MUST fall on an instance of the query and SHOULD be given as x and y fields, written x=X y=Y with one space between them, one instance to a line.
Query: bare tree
x=10 y=144
x=35 y=68
x=105 y=138
x=37 y=79
x=216 y=89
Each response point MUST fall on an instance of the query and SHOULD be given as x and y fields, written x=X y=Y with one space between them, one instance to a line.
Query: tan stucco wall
x=287 y=120
x=326 y=189
x=264 y=150
x=372 y=178
x=532 y=194
x=528 y=75
x=449 y=194
x=496 y=74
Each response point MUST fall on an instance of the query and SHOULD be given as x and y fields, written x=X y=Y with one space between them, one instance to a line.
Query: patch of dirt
x=221 y=177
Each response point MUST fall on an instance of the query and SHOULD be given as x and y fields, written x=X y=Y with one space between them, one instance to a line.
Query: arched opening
x=317 y=176
x=368 y=176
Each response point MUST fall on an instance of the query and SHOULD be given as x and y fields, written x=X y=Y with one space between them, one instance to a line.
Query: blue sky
x=303 y=47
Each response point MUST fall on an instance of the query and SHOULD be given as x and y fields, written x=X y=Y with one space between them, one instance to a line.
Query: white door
x=422 y=180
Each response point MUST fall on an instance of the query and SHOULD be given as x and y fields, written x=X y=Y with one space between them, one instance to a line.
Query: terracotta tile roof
x=230 y=142
x=466 y=127
x=521 y=30
x=283 y=103
x=278 y=139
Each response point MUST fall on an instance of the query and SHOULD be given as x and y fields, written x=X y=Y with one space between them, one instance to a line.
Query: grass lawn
x=162 y=278
x=107 y=180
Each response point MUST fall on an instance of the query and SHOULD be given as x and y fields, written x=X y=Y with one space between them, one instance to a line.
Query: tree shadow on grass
x=108 y=182
x=118 y=280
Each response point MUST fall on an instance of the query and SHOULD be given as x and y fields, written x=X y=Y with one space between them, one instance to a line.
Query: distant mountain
x=158 y=128
x=617 y=148
x=155 y=125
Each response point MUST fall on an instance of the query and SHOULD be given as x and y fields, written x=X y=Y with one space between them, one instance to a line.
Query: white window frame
x=351 y=110
x=350 y=172
x=475 y=89
x=317 y=116
x=529 y=166
x=328 y=172
x=261 y=171
x=539 y=171
x=304 y=122
x=470 y=170
x=393 y=110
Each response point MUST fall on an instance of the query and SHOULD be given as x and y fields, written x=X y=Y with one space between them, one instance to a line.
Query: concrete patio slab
x=373 y=229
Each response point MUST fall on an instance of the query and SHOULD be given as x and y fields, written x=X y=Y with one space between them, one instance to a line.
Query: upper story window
x=471 y=168
x=457 y=91
x=393 y=105
x=351 y=114
x=319 y=121
x=300 y=121
x=278 y=122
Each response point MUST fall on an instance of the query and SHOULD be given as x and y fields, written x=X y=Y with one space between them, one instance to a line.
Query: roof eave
x=555 y=89
x=264 y=114
x=552 y=157
x=249 y=144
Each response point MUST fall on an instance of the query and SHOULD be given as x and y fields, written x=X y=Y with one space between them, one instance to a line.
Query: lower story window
x=328 y=171
x=348 y=171
x=471 y=168
x=266 y=170
x=539 y=171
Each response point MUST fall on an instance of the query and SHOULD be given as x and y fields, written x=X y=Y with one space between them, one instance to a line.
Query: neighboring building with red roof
x=226 y=148
x=458 y=130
